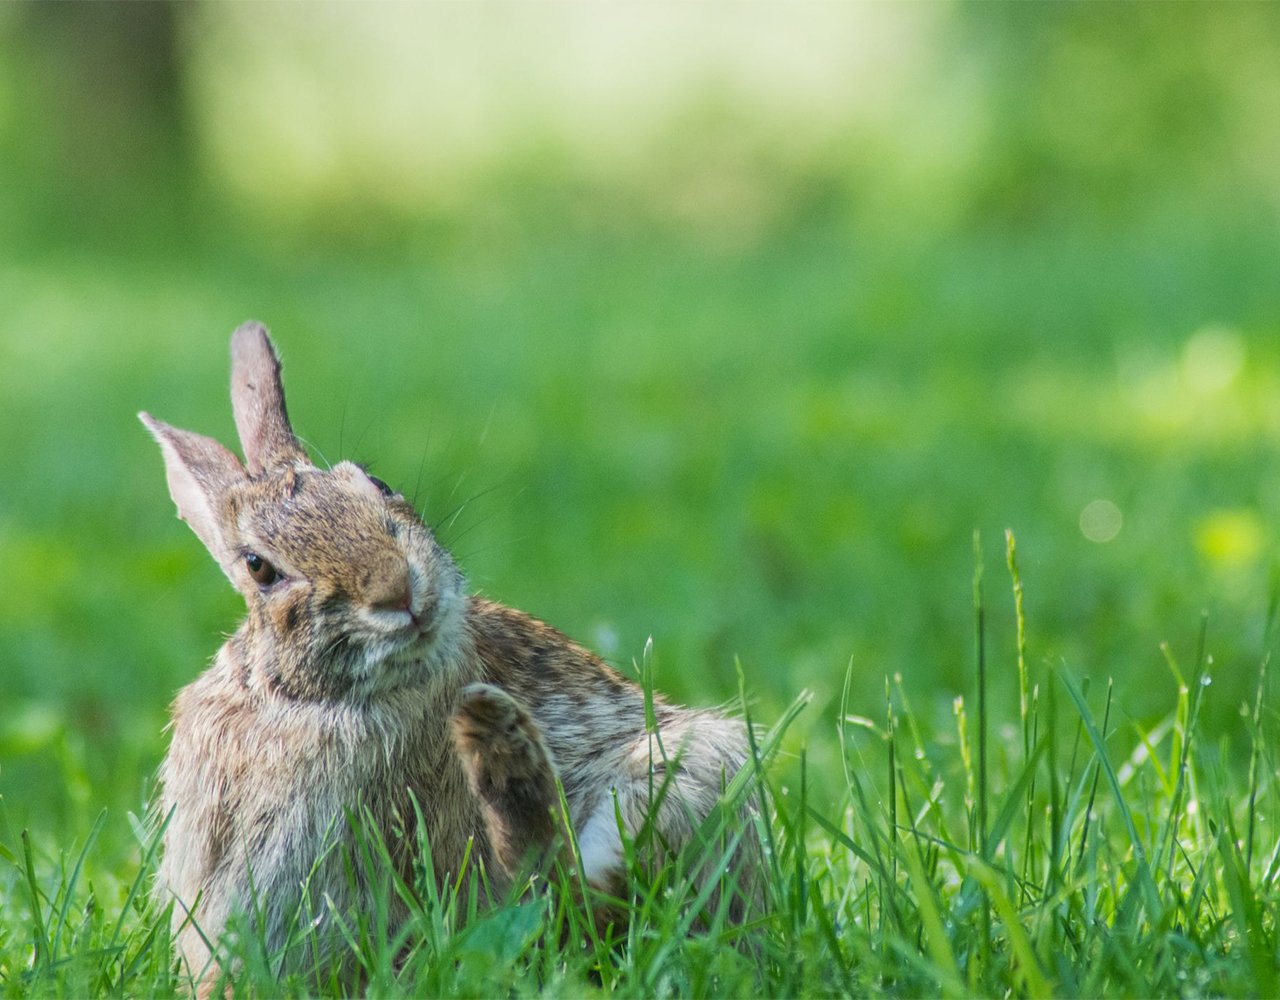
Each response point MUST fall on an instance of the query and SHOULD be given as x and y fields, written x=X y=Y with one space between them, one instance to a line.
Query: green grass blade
x=937 y=942
x=1028 y=964
x=68 y=890
x=40 y=935
x=1145 y=882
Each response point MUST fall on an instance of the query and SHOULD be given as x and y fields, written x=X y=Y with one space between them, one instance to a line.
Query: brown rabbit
x=364 y=677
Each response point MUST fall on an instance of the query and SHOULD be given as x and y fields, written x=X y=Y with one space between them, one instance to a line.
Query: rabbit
x=364 y=677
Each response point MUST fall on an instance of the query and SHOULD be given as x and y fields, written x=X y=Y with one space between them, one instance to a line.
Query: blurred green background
x=722 y=324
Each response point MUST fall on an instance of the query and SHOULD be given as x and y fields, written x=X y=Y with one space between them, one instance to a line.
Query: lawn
x=763 y=432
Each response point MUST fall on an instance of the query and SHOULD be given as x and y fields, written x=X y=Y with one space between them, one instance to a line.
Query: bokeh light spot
x=1213 y=359
x=1229 y=539
x=1101 y=521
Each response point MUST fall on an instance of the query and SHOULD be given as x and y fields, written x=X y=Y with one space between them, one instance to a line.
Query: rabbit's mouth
x=421 y=644
x=424 y=622
x=403 y=626
x=423 y=630
x=426 y=637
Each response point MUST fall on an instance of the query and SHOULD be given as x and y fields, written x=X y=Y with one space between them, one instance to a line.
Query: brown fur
x=363 y=678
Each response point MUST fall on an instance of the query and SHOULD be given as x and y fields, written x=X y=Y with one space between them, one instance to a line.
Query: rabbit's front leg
x=510 y=772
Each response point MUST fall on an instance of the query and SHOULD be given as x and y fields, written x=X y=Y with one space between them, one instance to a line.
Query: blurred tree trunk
x=99 y=143
x=112 y=75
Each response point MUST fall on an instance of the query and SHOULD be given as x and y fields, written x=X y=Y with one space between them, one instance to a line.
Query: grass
x=799 y=490
x=1082 y=856
x=758 y=427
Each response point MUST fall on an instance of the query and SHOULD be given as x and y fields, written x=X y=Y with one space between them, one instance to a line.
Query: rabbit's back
x=593 y=723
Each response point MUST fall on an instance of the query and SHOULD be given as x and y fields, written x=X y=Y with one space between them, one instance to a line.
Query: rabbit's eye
x=262 y=571
x=383 y=488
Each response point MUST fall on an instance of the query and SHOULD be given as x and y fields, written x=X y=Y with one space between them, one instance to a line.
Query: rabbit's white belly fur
x=694 y=756
x=600 y=843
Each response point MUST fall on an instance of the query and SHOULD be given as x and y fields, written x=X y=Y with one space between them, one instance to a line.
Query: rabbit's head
x=349 y=595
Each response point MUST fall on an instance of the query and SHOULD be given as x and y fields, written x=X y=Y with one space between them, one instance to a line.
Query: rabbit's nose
x=391 y=590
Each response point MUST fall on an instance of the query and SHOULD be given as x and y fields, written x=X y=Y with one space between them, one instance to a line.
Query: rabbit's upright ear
x=200 y=472
x=257 y=400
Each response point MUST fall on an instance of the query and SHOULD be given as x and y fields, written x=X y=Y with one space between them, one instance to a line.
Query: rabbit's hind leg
x=510 y=773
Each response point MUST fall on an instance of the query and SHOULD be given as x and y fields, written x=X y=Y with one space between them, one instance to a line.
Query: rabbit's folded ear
x=200 y=472
x=257 y=399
